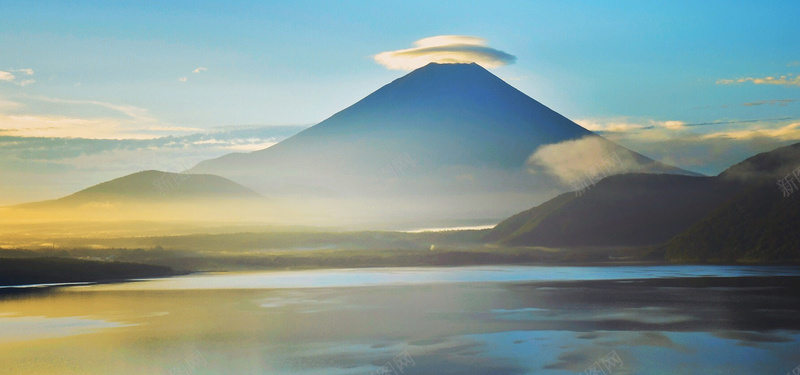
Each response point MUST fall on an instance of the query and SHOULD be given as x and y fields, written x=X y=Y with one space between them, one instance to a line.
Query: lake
x=459 y=320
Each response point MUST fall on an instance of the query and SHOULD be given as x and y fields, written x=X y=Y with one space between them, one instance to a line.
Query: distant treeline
x=47 y=270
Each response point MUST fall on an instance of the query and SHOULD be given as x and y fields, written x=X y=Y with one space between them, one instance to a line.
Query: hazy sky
x=697 y=84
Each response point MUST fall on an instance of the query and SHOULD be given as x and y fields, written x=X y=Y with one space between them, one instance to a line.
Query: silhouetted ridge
x=162 y=185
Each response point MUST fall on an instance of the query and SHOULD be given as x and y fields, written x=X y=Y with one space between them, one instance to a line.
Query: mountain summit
x=445 y=141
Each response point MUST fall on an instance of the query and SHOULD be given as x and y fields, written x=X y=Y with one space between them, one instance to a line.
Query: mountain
x=445 y=141
x=148 y=196
x=156 y=186
x=741 y=214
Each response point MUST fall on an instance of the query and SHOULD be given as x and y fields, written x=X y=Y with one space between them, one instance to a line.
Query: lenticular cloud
x=445 y=49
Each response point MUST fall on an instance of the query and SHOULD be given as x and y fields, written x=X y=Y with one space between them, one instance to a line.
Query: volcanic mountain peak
x=455 y=137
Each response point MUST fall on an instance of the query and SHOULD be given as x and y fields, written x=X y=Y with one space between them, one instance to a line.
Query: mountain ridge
x=738 y=215
x=154 y=186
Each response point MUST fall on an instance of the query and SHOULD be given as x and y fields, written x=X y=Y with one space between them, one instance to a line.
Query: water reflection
x=479 y=320
x=39 y=327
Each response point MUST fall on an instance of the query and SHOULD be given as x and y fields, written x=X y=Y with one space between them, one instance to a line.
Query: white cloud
x=790 y=132
x=785 y=80
x=625 y=124
x=707 y=147
x=6 y=76
x=183 y=79
x=249 y=147
x=779 y=129
x=93 y=120
x=445 y=49
x=240 y=144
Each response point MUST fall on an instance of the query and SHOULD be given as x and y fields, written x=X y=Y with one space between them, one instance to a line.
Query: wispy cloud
x=197 y=70
x=625 y=124
x=569 y=160
x=652 y=130
x=6 y=76
x=706 y=147
x=11 y=77
x=9 y=104
x=67 y=127
x=779 y=102
x=174 y=129
x=136 y=113
x=445 y=49
x=77 y=119
x=756 y=122
x=785 y=80
x=783 y=133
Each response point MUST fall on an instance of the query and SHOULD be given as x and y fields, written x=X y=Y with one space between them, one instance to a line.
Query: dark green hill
x=762 y=223
x=624 y=210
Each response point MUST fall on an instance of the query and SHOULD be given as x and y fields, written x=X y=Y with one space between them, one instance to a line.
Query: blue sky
x=643 y=73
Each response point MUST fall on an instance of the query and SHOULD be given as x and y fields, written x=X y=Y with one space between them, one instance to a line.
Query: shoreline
x=47 y=272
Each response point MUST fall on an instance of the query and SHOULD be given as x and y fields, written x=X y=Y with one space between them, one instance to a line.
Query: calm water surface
x=471 y=320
